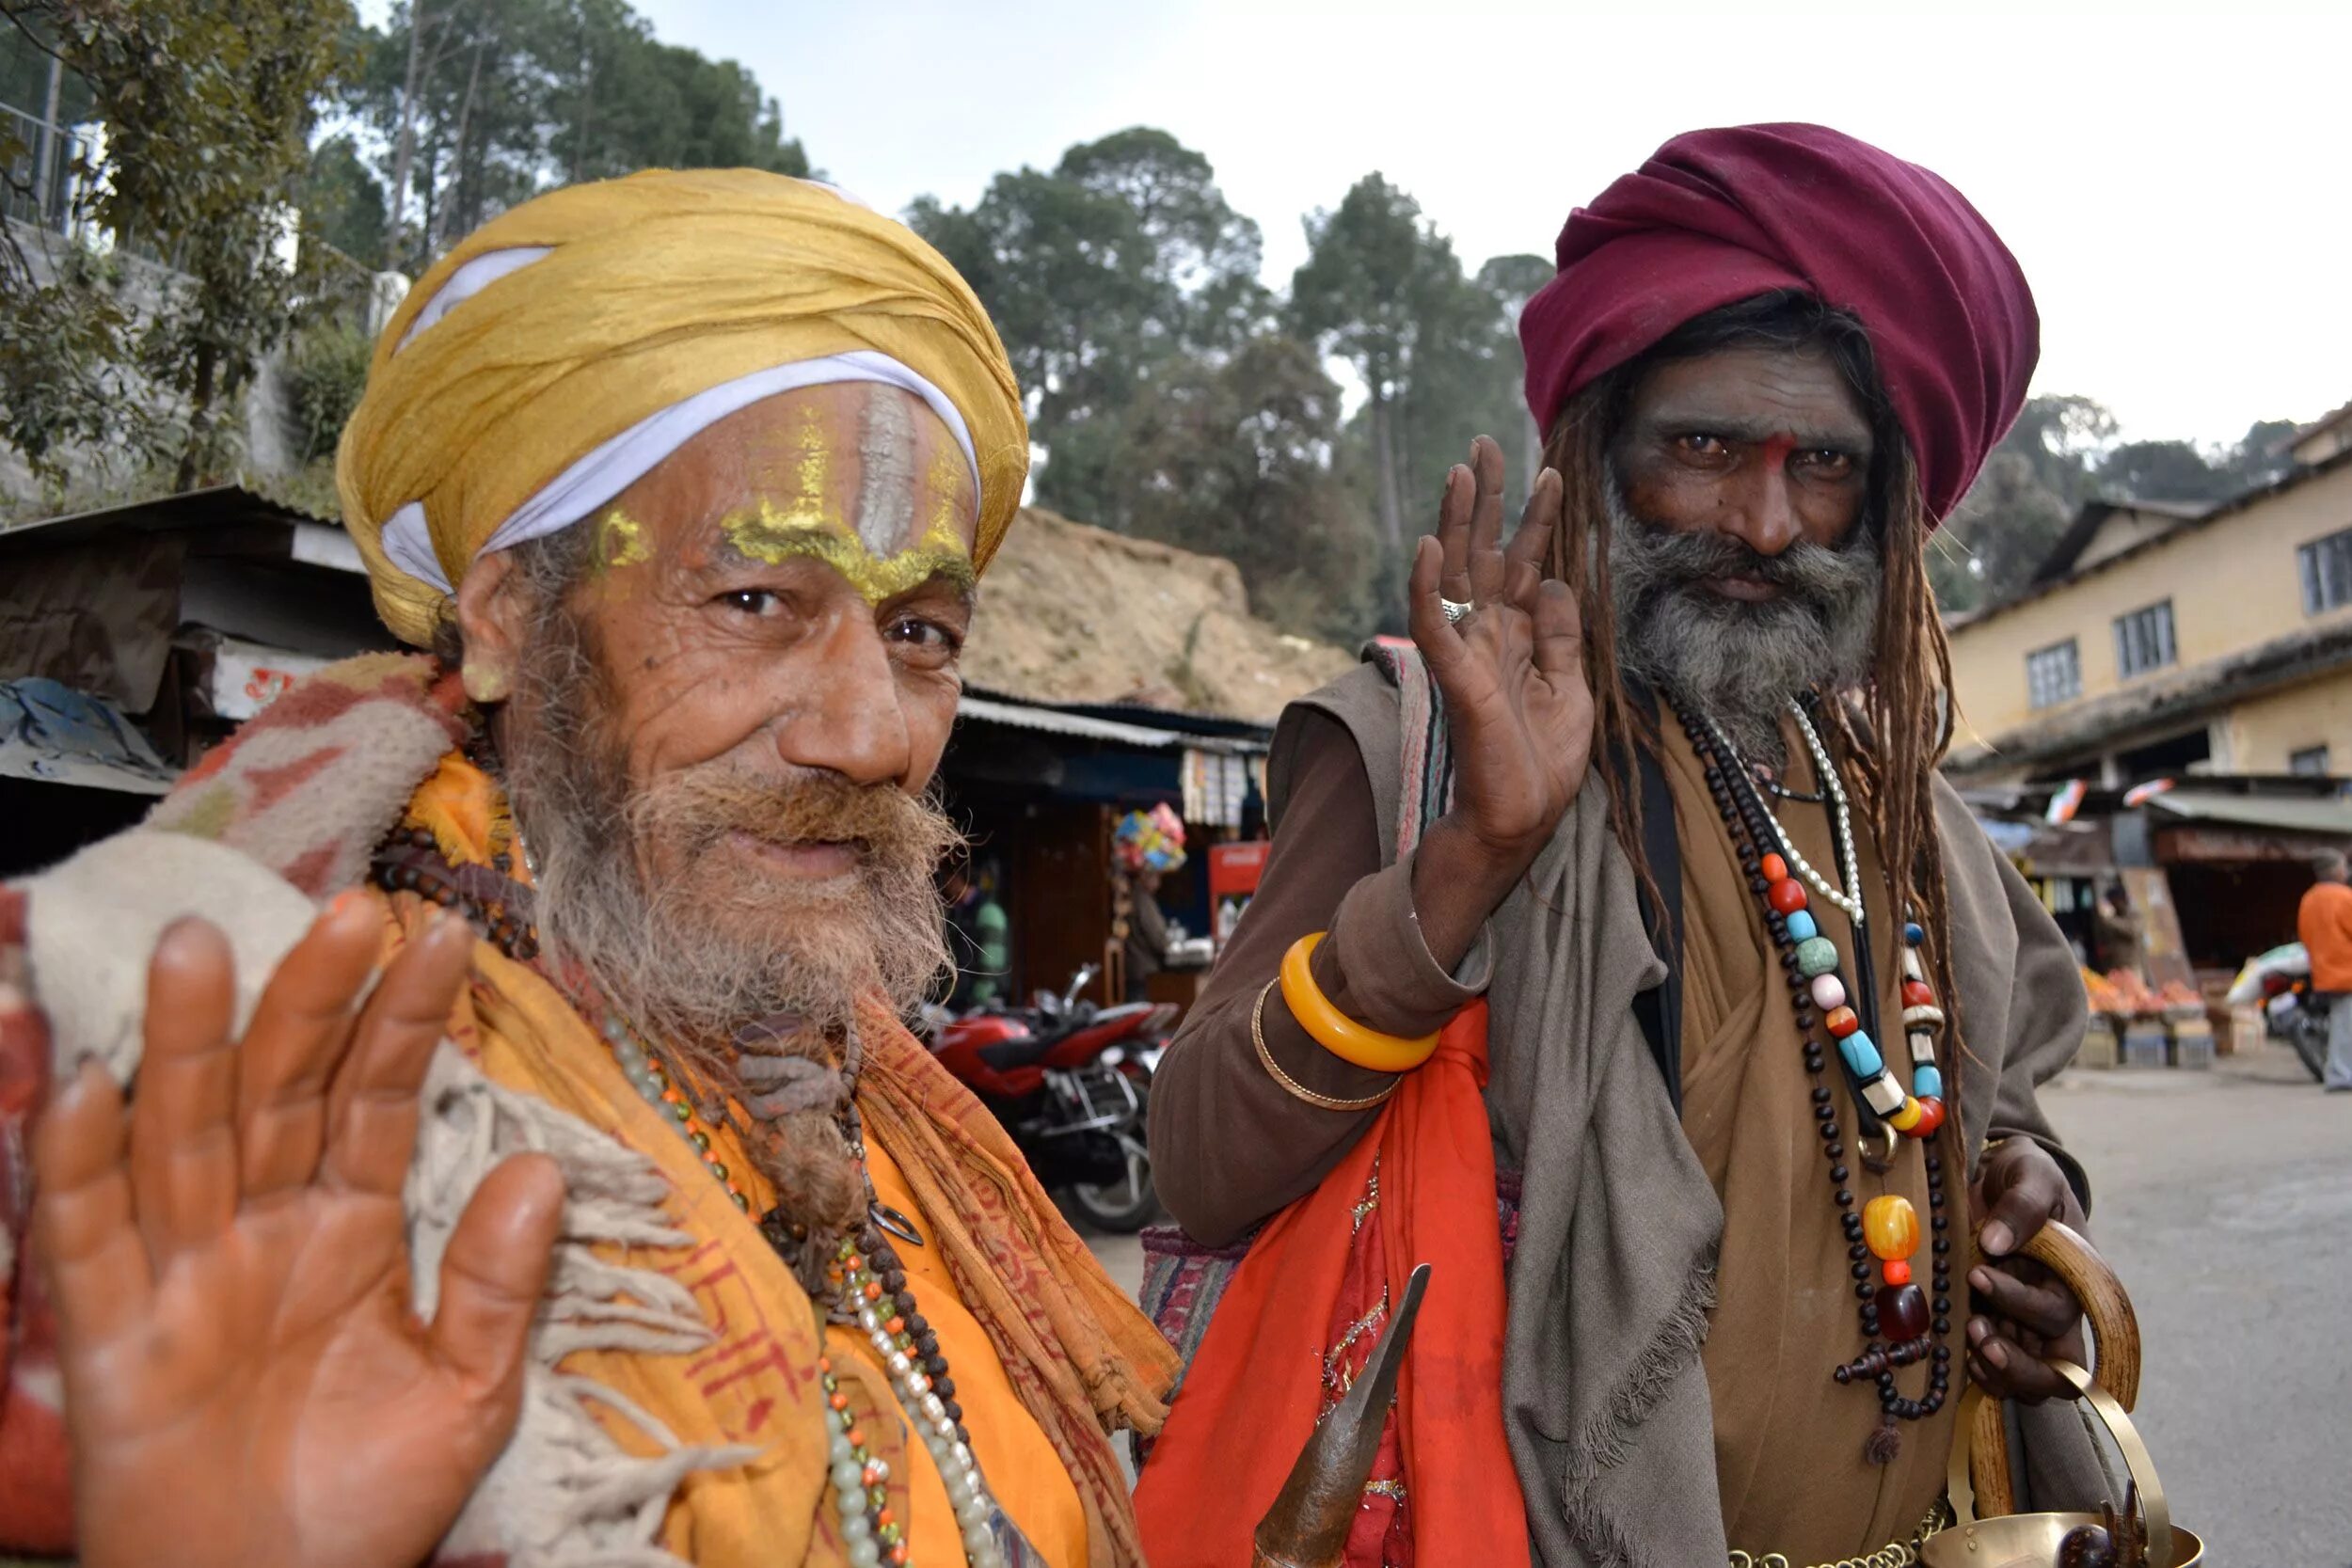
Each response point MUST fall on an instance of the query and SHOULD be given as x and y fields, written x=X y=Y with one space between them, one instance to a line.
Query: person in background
x=2121 y=943
x=2324 y=921
x=982 y=939
x=1149 y=846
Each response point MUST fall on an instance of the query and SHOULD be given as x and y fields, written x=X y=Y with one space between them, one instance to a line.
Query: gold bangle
x=1290 y=1085
x=1337 y=1033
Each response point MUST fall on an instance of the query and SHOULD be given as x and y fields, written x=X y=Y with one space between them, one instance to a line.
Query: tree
x=2000 y=533
x=1512 y=281
x=2062 y=437
x=2162 y=471
x=2262 y=455
x=2030 y=488
x=1234 y=459
x=482 y=104
x=208 y=108
x=1115 y=270
x=342 y=202
x=1359 y=295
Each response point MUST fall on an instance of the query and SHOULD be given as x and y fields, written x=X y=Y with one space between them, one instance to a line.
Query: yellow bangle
x=1292 y=1087
x=1333 y=1030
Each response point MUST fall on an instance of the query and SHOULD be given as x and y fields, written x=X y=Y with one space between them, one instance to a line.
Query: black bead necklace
x=1745 y=817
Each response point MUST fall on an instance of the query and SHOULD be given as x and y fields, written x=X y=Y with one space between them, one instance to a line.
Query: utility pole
x=41 y=176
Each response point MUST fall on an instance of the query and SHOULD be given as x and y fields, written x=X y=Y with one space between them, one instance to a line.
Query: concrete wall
x=2233 y=584
x=2265 y=731
x=268 y=447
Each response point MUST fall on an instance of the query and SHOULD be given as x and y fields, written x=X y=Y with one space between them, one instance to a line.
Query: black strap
x=1660 y=1010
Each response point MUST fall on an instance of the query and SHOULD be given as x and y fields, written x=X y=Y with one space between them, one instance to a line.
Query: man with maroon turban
x=1627 y=905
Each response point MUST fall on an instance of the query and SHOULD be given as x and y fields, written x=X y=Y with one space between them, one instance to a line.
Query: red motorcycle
x=1070 y=1081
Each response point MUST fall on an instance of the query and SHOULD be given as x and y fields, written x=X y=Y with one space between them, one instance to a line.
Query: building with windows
x=2160 y=640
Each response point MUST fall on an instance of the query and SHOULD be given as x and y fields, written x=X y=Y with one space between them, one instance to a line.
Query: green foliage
x=208 y=105
x=342 y=202
x=1437 y=353
x=478 y=104
x=1175 y=397
x=1234 y=459
x=325 y=372
x=1122 y=267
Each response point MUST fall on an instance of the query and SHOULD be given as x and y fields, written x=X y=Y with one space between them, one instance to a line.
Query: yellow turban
x=630 y=297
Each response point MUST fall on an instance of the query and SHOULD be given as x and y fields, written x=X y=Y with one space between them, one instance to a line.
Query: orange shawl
x=1301 y=1316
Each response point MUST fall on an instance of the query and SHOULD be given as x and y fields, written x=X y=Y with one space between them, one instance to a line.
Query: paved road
x=2225 y=1201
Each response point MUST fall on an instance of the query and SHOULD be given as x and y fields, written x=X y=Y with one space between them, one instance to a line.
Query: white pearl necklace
x=1841 y=817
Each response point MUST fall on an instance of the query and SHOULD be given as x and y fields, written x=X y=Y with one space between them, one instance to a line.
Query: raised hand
x=1519 y=706
x=244 y=1382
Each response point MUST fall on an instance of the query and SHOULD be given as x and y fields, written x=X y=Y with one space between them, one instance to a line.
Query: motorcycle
x=2280 y=980
x=1072 y=1083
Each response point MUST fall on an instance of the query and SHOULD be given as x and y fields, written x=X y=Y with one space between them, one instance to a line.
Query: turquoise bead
x=1861 y=1055
x=1913 y=933
x=1927 y=1083
x=1800 y=927
x=1816 y=956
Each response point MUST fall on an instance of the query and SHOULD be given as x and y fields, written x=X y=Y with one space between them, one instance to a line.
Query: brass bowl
x=2028 y=1541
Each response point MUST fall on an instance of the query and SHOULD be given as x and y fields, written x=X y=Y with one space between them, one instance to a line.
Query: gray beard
x=1741 y=664
x=698 y=958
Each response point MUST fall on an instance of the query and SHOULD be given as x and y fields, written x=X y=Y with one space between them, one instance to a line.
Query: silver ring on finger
x=1456 y=610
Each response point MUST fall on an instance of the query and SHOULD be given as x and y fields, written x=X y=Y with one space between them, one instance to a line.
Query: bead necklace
x=1897 y=1328
x=870 y=1289
x=410 y=860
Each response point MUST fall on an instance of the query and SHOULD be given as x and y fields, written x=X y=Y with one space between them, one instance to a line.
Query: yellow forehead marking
x=620 y=542
x=776 y=534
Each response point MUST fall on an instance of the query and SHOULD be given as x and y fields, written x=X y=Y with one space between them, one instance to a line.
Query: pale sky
x=2173 y=182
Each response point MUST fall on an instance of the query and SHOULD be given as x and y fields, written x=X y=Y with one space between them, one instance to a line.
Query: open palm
x=244 y=1381
x=1518 y=706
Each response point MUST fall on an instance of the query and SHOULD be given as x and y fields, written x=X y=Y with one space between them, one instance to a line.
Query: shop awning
x=2330 y=814
x=1055 y=720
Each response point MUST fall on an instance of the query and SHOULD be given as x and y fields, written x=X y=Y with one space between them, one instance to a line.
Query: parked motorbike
x=2280 y=980
x=1071 y=1082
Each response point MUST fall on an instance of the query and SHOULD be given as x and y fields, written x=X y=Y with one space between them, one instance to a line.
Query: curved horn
x=1307 y=1525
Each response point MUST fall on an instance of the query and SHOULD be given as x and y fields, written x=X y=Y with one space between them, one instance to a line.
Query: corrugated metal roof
x=2331 y=815
x=1055 y=722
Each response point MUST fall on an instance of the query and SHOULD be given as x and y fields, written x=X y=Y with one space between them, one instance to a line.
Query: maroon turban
x=1718 y=217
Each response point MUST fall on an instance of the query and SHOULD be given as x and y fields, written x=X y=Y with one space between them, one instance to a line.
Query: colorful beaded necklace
x=1897 y=1327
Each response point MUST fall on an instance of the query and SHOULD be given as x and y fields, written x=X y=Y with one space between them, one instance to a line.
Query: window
x=2054 y=674
x=2325 y=568
x=2311 y=759
x=2143 y=639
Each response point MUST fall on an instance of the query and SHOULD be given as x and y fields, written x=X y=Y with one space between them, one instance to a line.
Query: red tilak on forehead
x=1776 y=450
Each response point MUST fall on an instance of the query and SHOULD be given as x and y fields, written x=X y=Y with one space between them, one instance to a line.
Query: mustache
x=891 y=830
x=1818 y=573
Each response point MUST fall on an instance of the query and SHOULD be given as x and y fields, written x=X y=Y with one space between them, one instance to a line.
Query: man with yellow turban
x=478 y=1126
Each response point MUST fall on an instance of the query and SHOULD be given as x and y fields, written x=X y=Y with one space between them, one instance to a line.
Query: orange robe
x=756 y=1384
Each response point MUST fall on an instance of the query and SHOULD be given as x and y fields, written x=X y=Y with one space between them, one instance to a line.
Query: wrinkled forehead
x=860 y=461
x=1754 y=393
